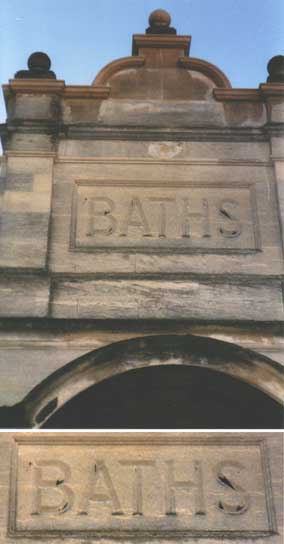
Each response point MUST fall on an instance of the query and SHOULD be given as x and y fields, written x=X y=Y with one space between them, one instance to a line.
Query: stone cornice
x=271 y=90
x=86 y=91
x=88 y=131
x=149 y=160
x=265 y=90
x=100 y=90
x=57 y=87
x=124 y=133
x=34 y=86
x=163 y=41
x=244 y=95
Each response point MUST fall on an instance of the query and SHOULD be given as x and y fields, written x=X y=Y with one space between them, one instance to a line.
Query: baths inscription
x=142 y=486
x=152 y=216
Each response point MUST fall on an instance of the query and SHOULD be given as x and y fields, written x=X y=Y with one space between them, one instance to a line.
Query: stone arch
x=208 y=69
x=118 y=65
x=121 y=357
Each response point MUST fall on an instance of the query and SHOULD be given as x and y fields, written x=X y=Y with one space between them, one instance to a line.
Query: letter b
x=58 y=485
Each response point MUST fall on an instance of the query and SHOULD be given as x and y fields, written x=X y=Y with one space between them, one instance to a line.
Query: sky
x=80 y=37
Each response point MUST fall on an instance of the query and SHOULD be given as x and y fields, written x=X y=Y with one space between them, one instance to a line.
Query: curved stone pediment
x=187 y=79
x=160 y=69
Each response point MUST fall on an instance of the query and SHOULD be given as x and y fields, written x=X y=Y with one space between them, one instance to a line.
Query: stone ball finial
x=159 y=21
x=39 y=61
x=275 y=68
x=39 y=67
x=159 y=17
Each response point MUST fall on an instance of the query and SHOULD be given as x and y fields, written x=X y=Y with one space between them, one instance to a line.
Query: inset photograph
x=137 y=487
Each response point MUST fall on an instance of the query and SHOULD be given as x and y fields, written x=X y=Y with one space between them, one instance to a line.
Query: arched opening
x=160 y=382
x=169 y=397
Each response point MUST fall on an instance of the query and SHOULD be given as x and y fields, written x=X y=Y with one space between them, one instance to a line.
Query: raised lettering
x=137 y=483
x=162 y=220
x=203 y=215
x=135 y=217
x=105 y=212
x=241 y=505
x=232 y=227
x=58 y=484
x=173 y=485
x=182 y=487
x=106 y=493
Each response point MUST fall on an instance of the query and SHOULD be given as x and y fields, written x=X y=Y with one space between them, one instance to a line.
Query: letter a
x=107 y=495
x=135 y=218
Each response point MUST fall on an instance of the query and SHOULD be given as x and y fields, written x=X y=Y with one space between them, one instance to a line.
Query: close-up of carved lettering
x=142 y=485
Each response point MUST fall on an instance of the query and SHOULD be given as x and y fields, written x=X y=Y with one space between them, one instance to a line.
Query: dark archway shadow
x=169 y=397
x=202 y=371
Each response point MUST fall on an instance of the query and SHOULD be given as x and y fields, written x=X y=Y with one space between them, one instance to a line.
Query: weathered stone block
x=21 y=296
x=155 y=487
x=25 y=217
x=154 y=299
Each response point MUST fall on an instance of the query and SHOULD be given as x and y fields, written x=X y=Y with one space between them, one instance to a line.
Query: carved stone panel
x=146 y=216
x=147 y=486
x=180 y=217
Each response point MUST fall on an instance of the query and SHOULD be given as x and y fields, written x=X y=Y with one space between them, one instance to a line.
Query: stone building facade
x=141 y=245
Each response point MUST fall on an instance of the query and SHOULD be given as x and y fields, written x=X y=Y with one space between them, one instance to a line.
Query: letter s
x=242 y=504
x=231 y=227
